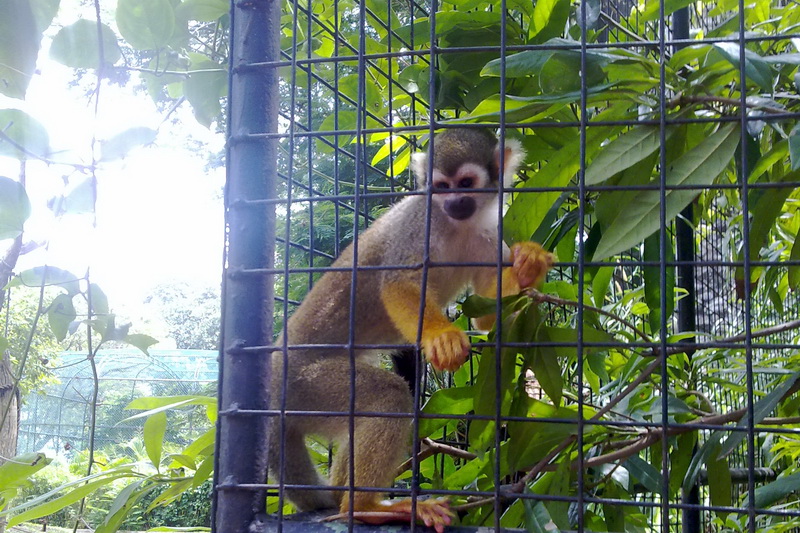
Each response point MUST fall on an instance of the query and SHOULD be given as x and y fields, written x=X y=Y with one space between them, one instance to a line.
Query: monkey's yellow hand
x=531 y=263
x=446 y=348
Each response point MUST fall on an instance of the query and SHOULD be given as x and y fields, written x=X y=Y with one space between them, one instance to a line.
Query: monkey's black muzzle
x=460 y=208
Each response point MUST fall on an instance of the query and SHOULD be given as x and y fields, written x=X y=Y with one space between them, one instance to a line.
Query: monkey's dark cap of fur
x=453 y=148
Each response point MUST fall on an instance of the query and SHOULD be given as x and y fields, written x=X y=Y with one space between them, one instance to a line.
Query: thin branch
x=541 y=297
x=682 y=99
x=432 y=448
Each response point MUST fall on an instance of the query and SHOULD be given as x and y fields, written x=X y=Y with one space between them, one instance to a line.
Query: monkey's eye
x=441 y=185
x=465 y=183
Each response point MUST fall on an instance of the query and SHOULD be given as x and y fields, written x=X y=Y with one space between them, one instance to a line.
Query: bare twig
x=432 y=448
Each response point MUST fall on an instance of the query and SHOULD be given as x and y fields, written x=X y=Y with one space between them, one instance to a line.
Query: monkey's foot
x=531 y=263
x=446 y=349
x=433 y=512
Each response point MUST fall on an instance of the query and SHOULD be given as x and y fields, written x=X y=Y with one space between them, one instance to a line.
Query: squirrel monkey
x=463 y=229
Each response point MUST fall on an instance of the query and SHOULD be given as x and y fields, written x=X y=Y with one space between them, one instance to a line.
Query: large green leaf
x=699 y=166
x=60 y=314
x=74 y=495
x=15 y=208
x=755 y=68
x=48 y=276
x=624 y=151
x=19 y=47
x=207 y=83
x=452 y=401
x=548 y=20
x=28 y=137
x=794 y=270
x=146 y=24
x=119 y=145
x=17 y=470
x=154 y=428
x=652 y=281
x=528 y=210
x=776 y=491
x=762 y=408
x=720 y=487
x=77 y=45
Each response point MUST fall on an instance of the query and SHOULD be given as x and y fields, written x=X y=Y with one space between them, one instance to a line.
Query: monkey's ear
x=419 y=165
x=514 y=155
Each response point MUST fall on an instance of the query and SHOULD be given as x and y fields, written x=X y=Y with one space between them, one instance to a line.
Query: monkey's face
x=463 y=192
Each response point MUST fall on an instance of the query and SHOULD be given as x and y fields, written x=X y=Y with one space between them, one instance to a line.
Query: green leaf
x=708 y=451
x=776 y=491
x=204 y=471
x=170 y=402
x=15 y=208
x=146 y=24
x=28 y=136
x=60 y=314
x=79 y=198
x=720 y=487
x=699 y=166
x=794 y=270
x=16 y=471
x=762 y=408
x=76 y=45
x=794 y=147
x=532 y=440
x=154 y=428
x=624 y=151
x=141 y=341
x=19 y=47
x=548 y=20
x=476 y=306
x=202 y=10
x=547 y=369
x=679 y=460
x=61 y=502
x=454 y=401
x=755 y=68
x=537 y=518
x=207 y=83
x=118 y=146
x=648 y=476
x=652 y=281
x=48 y=276
x=171 y=494
x=99 y=300
x=122 y=505
x=527 y=211
x=652 y=8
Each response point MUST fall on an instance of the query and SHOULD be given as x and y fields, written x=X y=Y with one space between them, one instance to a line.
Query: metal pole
x=247 y=304
x=684 y=238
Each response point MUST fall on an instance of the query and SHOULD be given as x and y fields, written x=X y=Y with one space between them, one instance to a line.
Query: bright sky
x=159 y=211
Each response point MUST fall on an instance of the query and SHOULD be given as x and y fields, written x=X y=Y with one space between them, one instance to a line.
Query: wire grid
x=59 y=420
x=331 y=184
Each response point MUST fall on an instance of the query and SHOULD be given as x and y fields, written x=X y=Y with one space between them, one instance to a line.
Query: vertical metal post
x=247 y=305
x=685 y=254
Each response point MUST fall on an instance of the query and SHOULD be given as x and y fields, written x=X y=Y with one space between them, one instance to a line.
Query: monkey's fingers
x=531 y=263
x=446 y=349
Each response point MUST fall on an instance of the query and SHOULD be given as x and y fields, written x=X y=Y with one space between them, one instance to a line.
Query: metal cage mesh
x=354 y=88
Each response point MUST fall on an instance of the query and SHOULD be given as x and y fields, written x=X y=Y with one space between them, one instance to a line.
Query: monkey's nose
x=460 y=208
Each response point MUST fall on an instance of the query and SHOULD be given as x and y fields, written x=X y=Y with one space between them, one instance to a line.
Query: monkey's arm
x=445 y=346
x=530 y=265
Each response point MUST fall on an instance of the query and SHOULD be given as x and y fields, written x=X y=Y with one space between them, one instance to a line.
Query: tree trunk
x=9 y=394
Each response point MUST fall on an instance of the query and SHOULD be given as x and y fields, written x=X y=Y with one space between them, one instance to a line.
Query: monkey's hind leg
x=298 y=469
x=380 y=445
